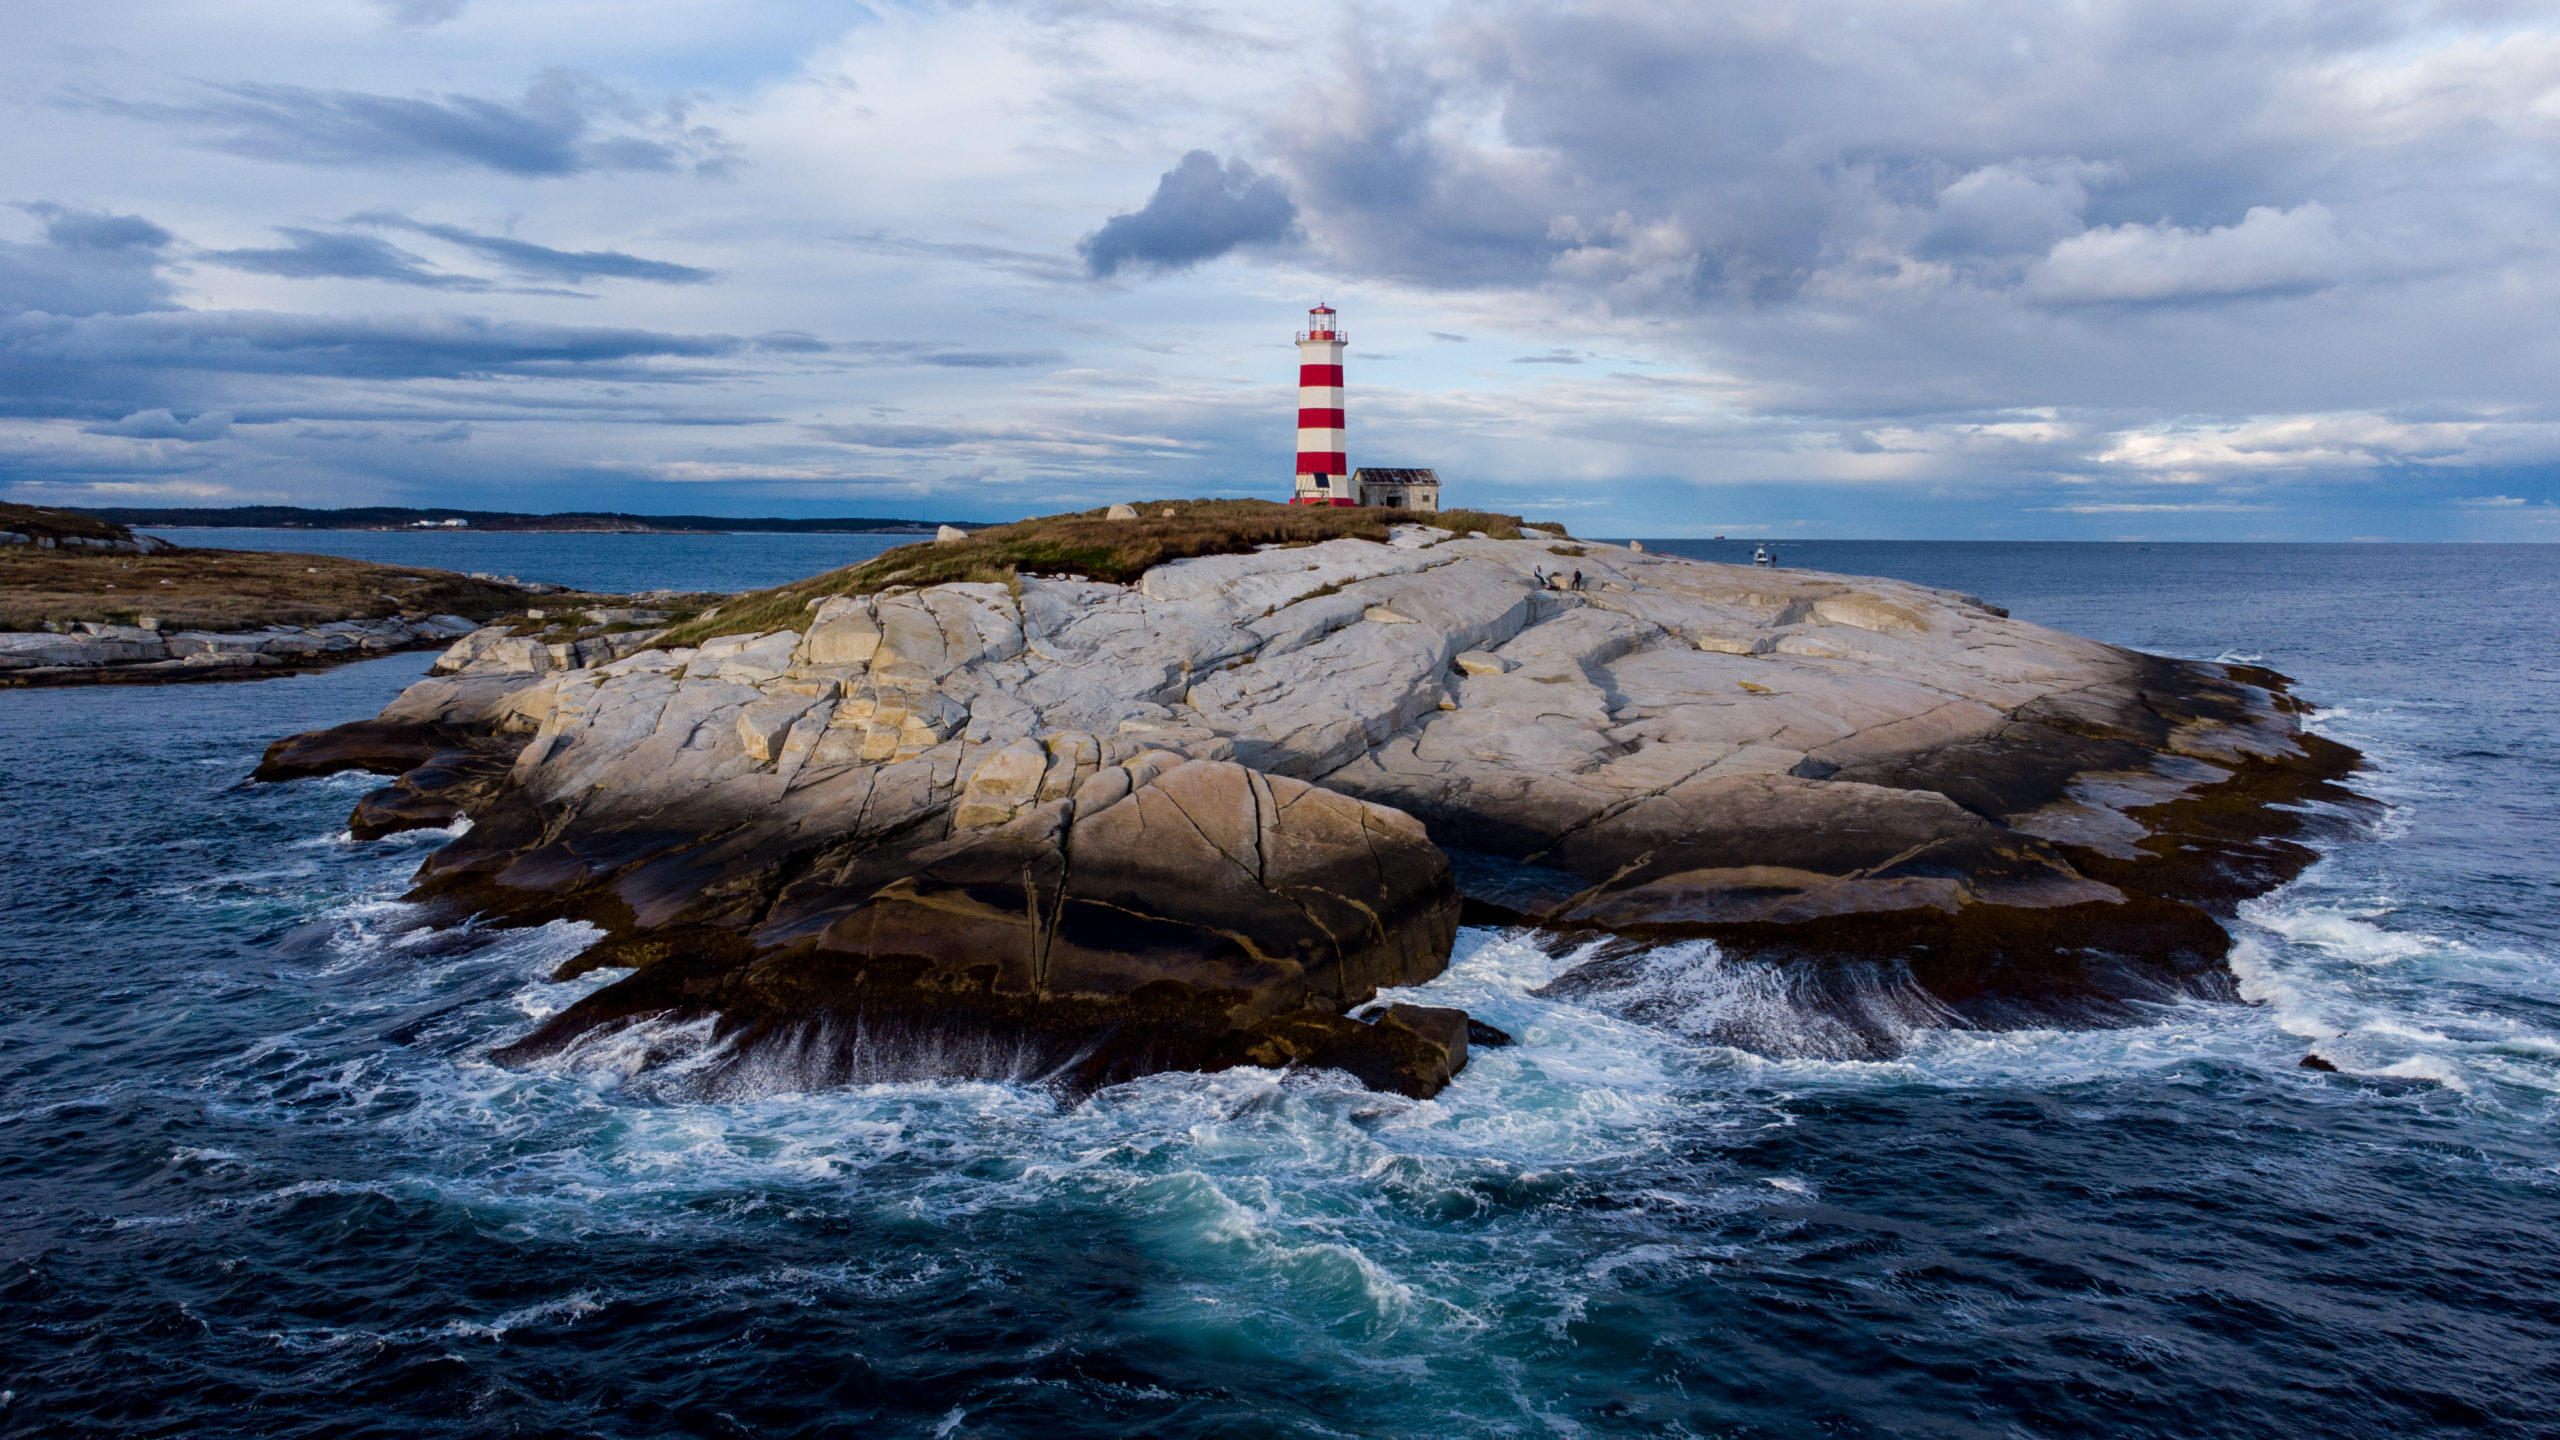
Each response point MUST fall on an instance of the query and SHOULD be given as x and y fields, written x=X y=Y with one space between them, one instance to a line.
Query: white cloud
x=2017 y=206
x=2269 y=250
x=2314 y=443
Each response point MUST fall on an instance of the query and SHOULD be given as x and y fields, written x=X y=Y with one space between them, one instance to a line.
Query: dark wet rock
x=1411 y=1049
x=384 y=747
x=1085 y=941
x=449 y=785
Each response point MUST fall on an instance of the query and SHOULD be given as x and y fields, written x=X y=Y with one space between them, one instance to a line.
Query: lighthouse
x=1324 y=464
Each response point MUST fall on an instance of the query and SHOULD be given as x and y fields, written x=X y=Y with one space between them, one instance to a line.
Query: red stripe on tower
x=1324 y=461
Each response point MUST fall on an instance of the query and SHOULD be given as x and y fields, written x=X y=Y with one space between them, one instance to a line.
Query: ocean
x=257 y=1176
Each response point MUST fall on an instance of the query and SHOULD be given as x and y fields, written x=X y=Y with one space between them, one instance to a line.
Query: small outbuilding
x=1398 y=489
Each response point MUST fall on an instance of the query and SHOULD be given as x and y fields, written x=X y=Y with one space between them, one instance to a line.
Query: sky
x=2193 y=269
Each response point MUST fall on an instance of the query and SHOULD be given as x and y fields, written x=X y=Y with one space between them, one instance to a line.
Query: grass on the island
x=1088 y=545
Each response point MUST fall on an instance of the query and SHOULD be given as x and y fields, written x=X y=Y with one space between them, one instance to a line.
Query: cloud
x=1030 y=264
x=2013 y=207
x=94 y=231
x=924 y=352
x=900 y=437
x=161 y=425
x=715 y=471
x=314 y=255
x=90 y=263
x=246 y=342
x=2142 y=509
x=1200 y=211
x=1075 y=439
x=789 y=342
x=420 y=14
x=2331 y=443
x=554 y=130
x=541 y=261
x=990 y=359
x=2270 y=250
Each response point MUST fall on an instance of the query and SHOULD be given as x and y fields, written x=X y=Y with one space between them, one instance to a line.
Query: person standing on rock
x=1577 y=579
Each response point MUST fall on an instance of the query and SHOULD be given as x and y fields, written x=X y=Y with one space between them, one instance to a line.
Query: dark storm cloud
x=541 y=261
x=565 y=124
x=313 y=254
x=89 y=263
x=1200 y=211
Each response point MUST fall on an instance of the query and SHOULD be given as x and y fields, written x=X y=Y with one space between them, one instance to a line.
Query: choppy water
x=256 y=1179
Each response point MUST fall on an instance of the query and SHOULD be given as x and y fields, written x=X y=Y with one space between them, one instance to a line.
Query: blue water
x=613 y=564
x=256 y=1177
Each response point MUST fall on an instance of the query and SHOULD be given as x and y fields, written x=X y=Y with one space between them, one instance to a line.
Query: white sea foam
x=2349 y=934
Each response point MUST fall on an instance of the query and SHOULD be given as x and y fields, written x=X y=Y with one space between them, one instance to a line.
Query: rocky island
x=1084 y=798
x=86 y=601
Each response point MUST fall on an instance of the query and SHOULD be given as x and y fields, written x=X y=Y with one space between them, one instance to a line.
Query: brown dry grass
x=1088 y=545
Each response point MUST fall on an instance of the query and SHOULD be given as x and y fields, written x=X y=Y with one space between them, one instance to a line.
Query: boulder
x=1414 y=1050
x=385 y=747
x=1146 y=924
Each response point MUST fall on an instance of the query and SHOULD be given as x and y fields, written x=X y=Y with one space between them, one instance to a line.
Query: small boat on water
x=1760 y=556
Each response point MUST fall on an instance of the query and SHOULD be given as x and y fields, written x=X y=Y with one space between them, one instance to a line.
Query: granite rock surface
x=1071 y=829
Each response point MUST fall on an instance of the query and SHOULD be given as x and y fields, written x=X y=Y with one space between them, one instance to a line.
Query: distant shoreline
x=430 y=522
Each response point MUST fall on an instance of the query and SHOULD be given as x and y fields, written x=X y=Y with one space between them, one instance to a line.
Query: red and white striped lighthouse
x=1324 y=462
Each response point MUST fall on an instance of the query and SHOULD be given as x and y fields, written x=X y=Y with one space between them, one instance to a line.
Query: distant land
x=392 y=517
